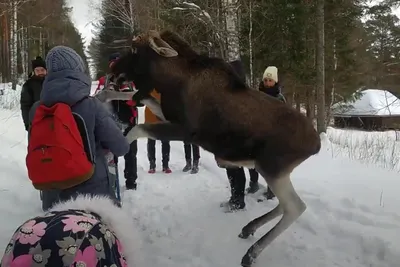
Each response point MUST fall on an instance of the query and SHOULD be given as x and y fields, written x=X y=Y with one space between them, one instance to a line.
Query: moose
x=204 y=102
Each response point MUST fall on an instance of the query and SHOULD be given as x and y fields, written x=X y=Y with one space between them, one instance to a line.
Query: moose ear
x=136 y=39
x=167 y=52
x=161 y=47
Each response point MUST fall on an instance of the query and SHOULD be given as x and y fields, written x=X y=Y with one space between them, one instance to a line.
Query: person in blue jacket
x=67 y=81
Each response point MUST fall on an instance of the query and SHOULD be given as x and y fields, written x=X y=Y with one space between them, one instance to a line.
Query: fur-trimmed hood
x=118 y=219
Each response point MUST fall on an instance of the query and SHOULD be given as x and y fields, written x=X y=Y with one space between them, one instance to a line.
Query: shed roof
x=373 y=102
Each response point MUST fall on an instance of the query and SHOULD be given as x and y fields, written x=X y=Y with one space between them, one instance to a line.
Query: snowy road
x=352 y=220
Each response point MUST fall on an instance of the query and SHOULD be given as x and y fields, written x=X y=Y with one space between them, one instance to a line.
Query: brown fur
x=174 y=40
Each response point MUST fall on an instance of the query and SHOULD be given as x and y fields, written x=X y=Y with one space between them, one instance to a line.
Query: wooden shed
x=375 y=110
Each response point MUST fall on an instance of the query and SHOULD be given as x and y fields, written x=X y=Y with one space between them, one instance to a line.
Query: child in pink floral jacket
x=89 y=232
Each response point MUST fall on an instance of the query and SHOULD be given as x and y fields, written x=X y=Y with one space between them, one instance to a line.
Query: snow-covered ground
x=352 y=220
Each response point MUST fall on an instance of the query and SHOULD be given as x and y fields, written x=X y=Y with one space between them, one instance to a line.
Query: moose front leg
x=164 y=131
x=108 y=95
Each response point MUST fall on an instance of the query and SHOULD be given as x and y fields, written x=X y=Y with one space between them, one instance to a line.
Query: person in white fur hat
x=269 y=85
x=86 y=231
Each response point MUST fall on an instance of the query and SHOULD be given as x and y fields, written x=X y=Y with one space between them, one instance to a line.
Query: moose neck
x=170 y=81
x=169 y=75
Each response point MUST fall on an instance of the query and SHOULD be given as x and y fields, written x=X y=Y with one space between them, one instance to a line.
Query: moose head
x=138 y=64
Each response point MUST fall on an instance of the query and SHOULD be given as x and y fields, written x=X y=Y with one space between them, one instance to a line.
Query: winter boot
x=188 y=166
x=195 y=167
x=152 y=168
x=130 y=184
x=234 y=204
x=166 y=168
x=269 y=194
x=253 y=187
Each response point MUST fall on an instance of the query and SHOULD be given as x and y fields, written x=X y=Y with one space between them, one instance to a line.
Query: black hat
x=38 y=62
x=114 y=56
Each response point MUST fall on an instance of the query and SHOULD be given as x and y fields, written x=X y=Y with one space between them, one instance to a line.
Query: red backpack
x=59 y=155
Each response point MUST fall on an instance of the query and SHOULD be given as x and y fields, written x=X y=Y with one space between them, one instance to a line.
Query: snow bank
x=372 y=148
x=372 y=102
x=9 y=99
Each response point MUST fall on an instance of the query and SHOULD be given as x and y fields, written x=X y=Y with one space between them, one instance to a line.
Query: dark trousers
x=188 y=151
x=253 y=175
x=130 y=171
x=237 y=180
x=151 y=152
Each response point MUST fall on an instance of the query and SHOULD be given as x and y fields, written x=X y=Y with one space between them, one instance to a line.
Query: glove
x=109 y=157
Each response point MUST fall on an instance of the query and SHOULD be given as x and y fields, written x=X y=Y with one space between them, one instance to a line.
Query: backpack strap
x=80 y=122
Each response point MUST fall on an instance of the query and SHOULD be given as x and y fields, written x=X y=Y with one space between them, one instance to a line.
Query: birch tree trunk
x=232 y=31
x=23 y=51
x=40 y=42
x=320 y=66
x=333 y=88
x=14 y=44
x=251 y=43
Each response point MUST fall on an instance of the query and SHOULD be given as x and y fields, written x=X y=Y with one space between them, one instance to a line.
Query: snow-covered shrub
x=376 y=148
x=9 y=99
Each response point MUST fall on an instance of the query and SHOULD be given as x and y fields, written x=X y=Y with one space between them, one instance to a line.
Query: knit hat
x=271 y=73
x=62 y=58
x=38 y=62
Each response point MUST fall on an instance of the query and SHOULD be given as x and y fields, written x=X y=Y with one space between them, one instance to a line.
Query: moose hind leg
x=292 y=207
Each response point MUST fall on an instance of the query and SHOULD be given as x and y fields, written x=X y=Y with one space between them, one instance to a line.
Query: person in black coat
x=32 y=88
x=236 y=176
x=126 y=115
x=30 y=94
x=270 y=86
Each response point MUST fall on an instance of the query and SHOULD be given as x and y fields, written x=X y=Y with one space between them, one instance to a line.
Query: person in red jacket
x=105 y=80
x=102 y=82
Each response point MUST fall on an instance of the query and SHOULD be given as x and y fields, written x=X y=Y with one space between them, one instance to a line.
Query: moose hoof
x=246 y=233
x=247 y=260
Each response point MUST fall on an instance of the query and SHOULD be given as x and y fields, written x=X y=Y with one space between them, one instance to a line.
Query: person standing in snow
x=236 y=175
x=68 y=83
x=30 y=94
x=149 y=117
x=126 y=115
x=270 y=86
x=189 y=148
x=104 y=81
x=32 y=88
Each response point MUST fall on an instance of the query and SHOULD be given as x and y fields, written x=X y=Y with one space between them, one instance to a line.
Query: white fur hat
x=271 y=73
